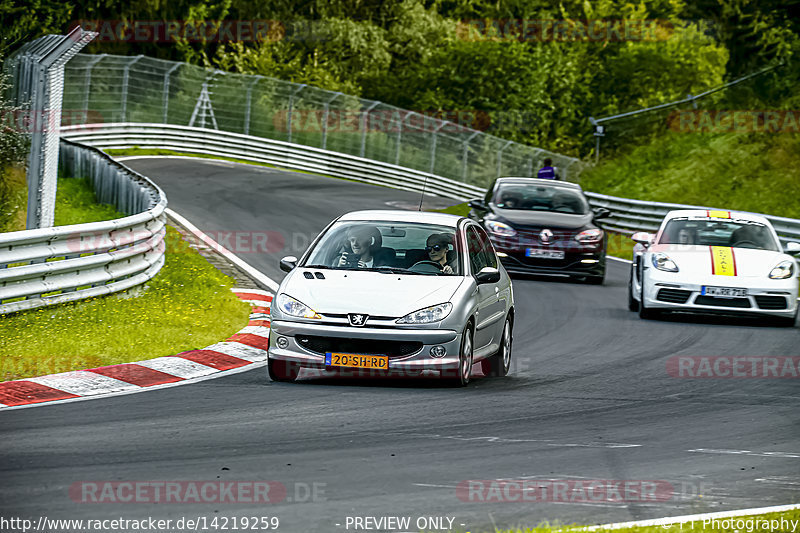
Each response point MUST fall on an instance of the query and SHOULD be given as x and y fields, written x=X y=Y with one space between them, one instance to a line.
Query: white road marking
x=668 y=522
x=261 y=331
x=746 y=452
x=178 y=366
x=505 y=440
x=237 y=349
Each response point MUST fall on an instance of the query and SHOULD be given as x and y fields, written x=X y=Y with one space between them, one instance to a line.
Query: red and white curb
x=242 y=351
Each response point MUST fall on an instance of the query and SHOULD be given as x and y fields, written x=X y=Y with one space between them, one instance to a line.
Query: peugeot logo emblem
x=545 y=236
x=357 y=320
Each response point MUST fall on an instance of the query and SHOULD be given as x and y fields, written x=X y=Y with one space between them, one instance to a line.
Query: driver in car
x=437 y=247
x=362 y=242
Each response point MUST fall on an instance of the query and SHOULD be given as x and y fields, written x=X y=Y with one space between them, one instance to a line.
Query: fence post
x=364 y=119
x=291 y=106
x=325 y=120
x=88 y=86
x=433 y=144
x=166 y=90
x=465 y=156
x=400 y=136
x=125 y=78
x=500 y=157
x=249 y=103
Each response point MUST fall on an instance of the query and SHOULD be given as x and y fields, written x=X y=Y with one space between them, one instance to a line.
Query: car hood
x=373 y=293
x=698 y=259
x=550 y=219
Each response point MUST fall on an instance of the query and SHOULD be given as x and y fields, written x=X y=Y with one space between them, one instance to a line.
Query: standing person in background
x=548 y=172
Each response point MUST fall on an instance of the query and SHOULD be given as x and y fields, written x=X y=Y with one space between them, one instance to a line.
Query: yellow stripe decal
x=719 y=214
x=723 y=262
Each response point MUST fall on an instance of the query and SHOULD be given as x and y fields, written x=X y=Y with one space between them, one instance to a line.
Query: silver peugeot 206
x=394 y=293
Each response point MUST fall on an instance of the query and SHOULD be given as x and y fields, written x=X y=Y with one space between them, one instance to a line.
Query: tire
x=595 y=280
x=633 y=305
x=499 y=364
x=464 y=359
x=784 y=321
x=283 y=371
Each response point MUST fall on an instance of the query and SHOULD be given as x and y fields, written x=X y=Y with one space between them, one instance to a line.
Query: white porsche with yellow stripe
x=714 y=261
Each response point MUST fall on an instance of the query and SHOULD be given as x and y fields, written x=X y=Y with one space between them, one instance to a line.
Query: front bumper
x=309 y=355
x=666 y=291
x=579 y=260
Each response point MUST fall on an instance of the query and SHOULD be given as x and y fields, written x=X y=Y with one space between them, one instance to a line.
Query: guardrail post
x=291 y=107
x=166 y=89
x=325 y=120
x=364 y=118
x=249 y=103
x=465 y=156
x=500 y=157
x=125 y=78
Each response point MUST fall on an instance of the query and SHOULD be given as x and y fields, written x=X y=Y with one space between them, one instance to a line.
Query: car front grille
x=771 y=302
x=673 y=296
x=322 y=345
x=741 y=303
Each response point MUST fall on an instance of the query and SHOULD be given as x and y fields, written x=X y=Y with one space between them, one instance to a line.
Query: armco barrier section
x=627 y=216
x=60 y=264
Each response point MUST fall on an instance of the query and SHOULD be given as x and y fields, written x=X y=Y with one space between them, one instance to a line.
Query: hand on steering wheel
x=738 y=244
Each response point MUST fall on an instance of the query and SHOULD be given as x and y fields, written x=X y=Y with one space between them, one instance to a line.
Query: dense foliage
x=467 y=55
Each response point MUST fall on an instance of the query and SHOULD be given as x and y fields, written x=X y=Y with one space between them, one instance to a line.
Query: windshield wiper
x=395 y=270
x=316 y=266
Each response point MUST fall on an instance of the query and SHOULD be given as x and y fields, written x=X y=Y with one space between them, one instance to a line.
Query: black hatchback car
x=543 y=227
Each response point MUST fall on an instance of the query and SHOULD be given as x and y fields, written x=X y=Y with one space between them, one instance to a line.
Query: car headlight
x=499 y=228
x=590 y=235
x=293 y=307
x=662 y=262
x=782 y=270
x=434 y=313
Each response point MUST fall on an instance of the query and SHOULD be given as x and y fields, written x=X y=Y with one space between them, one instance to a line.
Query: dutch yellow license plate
x=354 y=360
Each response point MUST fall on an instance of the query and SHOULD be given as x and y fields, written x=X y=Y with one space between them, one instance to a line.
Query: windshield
x=526 y=197
x=398 y=247
x=733 y=233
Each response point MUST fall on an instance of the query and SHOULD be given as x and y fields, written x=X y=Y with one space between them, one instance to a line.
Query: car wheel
x=499 y=364
x=284 y=371
x=785 y=321
x=596 y=280
x=633 y=305
x=464 y=359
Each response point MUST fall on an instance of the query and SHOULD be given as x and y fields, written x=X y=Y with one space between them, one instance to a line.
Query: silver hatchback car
x=396 y=293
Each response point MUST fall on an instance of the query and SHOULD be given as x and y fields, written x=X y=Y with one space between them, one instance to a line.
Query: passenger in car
x=438 y=248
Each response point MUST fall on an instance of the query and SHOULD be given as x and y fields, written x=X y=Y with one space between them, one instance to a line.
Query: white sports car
x=717 y=262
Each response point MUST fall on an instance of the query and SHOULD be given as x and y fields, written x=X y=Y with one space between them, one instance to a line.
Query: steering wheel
x=738 y=244
x=427 y=266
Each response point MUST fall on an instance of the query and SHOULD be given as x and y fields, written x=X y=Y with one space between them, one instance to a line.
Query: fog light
x=590 y=260
x=502 y=254
x=438 y=351
x=282 y=342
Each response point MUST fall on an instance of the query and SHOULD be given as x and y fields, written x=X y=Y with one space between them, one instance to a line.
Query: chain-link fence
x=140 y=89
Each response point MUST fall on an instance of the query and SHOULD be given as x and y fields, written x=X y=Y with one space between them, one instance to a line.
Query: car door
x=490 y=310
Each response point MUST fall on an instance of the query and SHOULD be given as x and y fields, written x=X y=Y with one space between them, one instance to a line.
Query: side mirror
x=478 y=204
x=288 y=263
x=792 y=248
x=488 y=275
x=601 y=212
x=643 y=238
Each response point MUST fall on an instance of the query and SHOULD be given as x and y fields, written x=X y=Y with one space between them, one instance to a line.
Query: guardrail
x=627 y=216
x=66 y=263
x=279 y=153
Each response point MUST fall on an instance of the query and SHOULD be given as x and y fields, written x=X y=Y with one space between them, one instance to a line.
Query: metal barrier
x=627 y=216
x=60 y=264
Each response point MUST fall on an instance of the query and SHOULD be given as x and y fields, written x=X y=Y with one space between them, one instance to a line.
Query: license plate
x=725 y=292
x=543 y=253
x=354 y=360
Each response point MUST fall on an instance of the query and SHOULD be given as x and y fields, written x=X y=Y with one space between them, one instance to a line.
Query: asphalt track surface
x=589 y=398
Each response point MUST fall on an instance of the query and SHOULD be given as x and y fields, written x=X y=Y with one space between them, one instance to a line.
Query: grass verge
x=188 y=305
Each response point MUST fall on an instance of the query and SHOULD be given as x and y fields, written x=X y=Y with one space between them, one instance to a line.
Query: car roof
x=397 y=215
x=721 y=214
x=537 y=181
